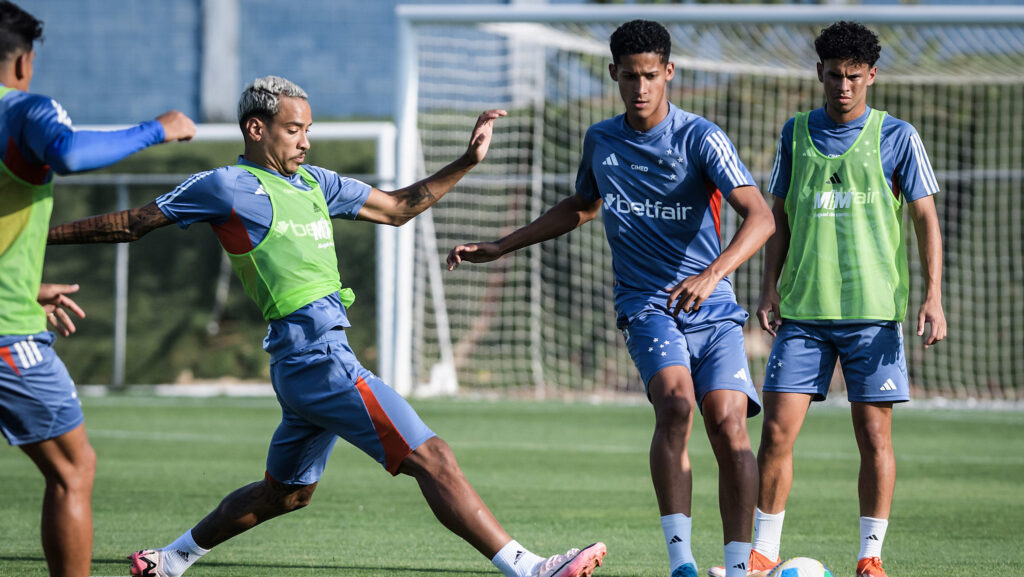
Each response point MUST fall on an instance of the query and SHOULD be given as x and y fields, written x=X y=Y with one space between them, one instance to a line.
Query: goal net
x=541 y=321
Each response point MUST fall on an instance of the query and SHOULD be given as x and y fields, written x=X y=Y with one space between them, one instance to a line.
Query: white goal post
x=541 y=321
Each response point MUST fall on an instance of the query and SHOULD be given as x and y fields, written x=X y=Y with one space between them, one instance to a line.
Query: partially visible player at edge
x=836 y=282
x=39 y=409
x=661 y=173
x=272 y=215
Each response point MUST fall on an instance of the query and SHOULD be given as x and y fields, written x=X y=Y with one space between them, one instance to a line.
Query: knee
x=74 y=476
x=673 y=412
x=434 y=458
x=288 y=498
x=874 y=437
x=728 y=431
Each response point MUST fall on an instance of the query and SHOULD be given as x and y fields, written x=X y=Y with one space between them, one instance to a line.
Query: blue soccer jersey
x=37 y=139
x=904 y=160
x=232 y=201
x=662 y=193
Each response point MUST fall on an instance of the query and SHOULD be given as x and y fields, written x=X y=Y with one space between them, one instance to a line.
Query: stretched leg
x=452 y=499
x=68 y=464
x=725 y=420
x=784 y=415
x=671 y=393
x=249 y=506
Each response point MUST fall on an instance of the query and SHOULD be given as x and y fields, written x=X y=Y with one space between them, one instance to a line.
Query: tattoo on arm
x=123 y=226
x=419 y=194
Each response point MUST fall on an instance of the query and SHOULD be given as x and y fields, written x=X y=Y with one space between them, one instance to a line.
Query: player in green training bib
x=272 y=214
x=836 y=283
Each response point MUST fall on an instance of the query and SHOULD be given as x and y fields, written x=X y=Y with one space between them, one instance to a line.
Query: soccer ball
x=801 y=567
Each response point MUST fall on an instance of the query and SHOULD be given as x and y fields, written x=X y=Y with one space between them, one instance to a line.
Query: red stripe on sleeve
x=395 y=447
x=22 y=168
x=232 y=234
x=715 y=206
x=5 y=354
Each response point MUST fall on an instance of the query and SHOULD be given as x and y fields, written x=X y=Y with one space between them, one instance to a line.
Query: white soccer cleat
x=575 y=563
x=152 y=563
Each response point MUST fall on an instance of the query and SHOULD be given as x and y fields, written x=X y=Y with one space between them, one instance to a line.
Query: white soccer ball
x=801 y=567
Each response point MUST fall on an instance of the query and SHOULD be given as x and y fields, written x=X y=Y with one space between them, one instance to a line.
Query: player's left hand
x=689 y=294
x=55 y=299
x=480 y=141
x=931 y=313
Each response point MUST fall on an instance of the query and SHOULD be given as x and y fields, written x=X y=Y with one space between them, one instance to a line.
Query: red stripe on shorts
x=5 y=354
x=395 y=447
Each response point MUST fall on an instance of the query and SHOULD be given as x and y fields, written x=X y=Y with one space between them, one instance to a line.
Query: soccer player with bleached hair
x=272 y=214
x=39 y=408
x=660 y=175
x=836 y=284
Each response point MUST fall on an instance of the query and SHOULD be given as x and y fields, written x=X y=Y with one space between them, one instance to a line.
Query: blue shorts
x=325 y=394
x=38 y=400
x=709 y=343
x=804 y=357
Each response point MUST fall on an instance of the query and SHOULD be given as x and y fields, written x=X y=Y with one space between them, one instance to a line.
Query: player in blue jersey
x=842 y=175
x=660 y=175
x=271 y=214
x=39 y=409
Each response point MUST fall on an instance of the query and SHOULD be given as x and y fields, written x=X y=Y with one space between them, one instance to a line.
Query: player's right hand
x=768 y=312
x=177 y=126
x=54 y=298
x=475 y=252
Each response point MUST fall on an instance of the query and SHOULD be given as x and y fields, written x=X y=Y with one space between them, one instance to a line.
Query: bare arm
x=124 y=226
x=929 y=244
x=567 y=215
x=756 y=228
x=399 y=206
x=775 y=253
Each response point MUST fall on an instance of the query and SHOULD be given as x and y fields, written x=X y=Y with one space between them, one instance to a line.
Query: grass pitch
x=556 y=475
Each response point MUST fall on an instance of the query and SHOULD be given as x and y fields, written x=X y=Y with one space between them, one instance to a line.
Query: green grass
x=556 y=475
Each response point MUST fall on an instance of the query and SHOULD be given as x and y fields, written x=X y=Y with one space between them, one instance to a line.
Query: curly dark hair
x=848 y=42
x=639 y=37
x=18 y=30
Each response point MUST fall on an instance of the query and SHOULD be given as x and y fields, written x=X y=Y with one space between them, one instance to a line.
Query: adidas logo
x=741 y=375
x=675 y=539
x=612 y=160
x=871 y=537
x=740 y=566
x=259 y=190
x=182 y=554
x=888 y=385
x=519 y=555
x=834 y=179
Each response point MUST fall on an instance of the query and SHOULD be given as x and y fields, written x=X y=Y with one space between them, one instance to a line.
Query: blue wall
x=117 y=61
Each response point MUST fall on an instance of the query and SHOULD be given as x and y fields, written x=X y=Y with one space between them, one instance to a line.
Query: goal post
x=541 y=322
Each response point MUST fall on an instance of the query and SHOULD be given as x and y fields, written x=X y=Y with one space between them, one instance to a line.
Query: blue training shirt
x=904 y=159
x=231 y=200
x=38 y=139
x=662 y=193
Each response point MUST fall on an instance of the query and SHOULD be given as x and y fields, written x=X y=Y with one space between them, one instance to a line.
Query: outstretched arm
x=399 y=206
x=775 y=251
x=757 y=226
x=565 y=216
x=929 y=246
x=82 y=150
x=124 y=226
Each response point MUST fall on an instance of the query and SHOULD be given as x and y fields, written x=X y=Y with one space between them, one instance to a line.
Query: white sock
x=736 y=557
x=768 y=533
x=514 y=560
x=872 y=535
x=181 y=554
x=676 y=528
